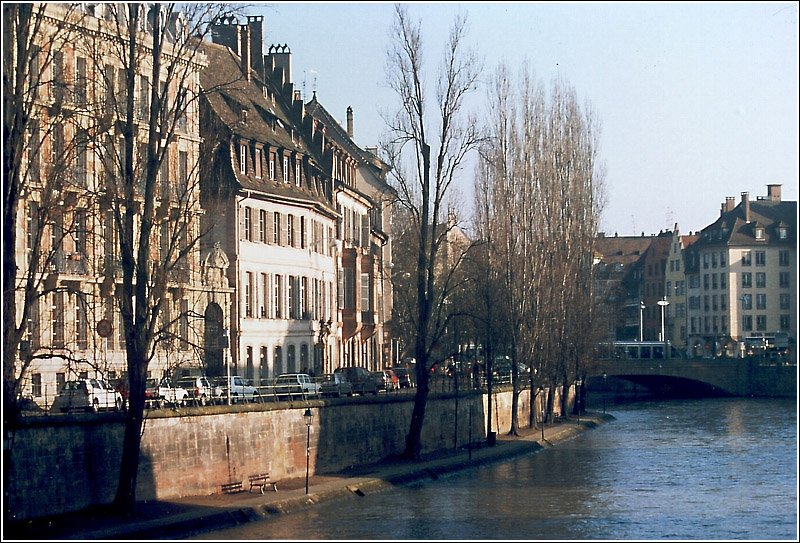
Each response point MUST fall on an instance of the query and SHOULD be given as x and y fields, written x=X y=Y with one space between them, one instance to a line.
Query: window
x=80 y=81
x=248 y=294
x=285 y=169
x=761 y=323
x=783 y=279
x=297 y=173
x=366 y=299
x=761 y=258
x=786 y=301
x=747 y=301
x=304 y=298
x=747 y=280
x=272 y=166
x=714 y=282
x=705 y=260
x=783 y=232
x=143 y=105
x=722 y=260
x=302 y=232
x=706 y=304
x=278 y=360
x=761 y=280
x=276 y=228
x=258 y=163
x=761 y=301
x=263 y=367
x=783 y=258
x=723 y=281
x=265 y=290
x=81 y=323
x=243 y=158
x=183 y=174
x=248 y=224
x=262 y=226
x=747 y=323
x=57 y=320
x=759 y=232
x=278 y=297
x=747 y=258
x=292 y=295
x=705 y=281
x=785 y=322
x=36 y=385
x=290 y=230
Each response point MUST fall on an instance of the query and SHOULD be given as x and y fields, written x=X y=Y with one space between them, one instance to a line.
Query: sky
x=696 y=101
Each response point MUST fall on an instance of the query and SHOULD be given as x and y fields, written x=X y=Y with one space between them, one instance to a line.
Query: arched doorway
x=213 y=341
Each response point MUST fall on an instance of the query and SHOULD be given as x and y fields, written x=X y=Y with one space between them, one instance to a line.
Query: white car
x=165 y=392
x=200 y=389
x=87 y=395
x=297 y=382
x=240 y=390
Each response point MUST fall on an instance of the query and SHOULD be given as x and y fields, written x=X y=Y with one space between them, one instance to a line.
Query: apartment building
x=675 y=289
x=742 y=275
x=71 y=210
x=304 y=240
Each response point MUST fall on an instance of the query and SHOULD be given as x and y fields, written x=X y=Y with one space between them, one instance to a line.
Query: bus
x=639 y=350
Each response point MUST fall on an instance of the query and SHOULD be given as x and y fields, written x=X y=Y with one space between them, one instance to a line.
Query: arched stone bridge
x=718 y=376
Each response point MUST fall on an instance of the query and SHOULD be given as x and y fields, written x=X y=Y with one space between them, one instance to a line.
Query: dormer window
x=285 y=169
x=783 y=232
x=758 y=232
x=243 y=158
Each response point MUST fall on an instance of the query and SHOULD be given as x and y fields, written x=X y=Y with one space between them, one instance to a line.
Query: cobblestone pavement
x=179 y=518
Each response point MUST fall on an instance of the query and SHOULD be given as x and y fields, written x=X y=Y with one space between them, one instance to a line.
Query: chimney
x=281 y=57
x=244 y=50
x=255 y=27
x=730 y=203
x=746 y=206
x=349 y=122
x=774 y=193
x=226 y=33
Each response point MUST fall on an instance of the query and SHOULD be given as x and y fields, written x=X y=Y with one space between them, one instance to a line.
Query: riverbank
x=174 y=519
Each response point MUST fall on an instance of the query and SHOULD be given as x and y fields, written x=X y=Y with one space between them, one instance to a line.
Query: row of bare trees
x=523 y=287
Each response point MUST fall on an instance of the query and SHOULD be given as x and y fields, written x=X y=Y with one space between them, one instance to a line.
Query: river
x=722 y=469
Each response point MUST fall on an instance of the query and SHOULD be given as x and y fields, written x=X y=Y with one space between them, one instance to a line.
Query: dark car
x=362 y=380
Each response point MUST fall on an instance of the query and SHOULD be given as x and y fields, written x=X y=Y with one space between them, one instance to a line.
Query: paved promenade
x=176 y=519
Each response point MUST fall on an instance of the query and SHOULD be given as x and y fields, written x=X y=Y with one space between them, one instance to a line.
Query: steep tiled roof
x=266 y=121
x=731 y=228
x=621 y=249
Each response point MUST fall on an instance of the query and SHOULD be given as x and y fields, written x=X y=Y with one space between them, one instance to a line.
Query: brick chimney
x=746 y=206
x=774 y=193
x=244 y=50
x=349 y=122
x=255 y=25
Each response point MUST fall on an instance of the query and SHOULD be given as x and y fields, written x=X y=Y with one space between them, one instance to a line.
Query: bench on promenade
x=232 y=488
x=261 y=480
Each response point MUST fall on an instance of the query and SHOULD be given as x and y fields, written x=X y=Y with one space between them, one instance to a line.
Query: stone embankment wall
x=67 y=463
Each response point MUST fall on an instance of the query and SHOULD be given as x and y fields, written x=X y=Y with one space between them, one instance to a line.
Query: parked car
x=405 y=377
x=386 y=380
x=87 y=395
x=240 y=390
x=159 y=393
x=335 y=384
x=200 y=389
x=297 y=382
x=361 y=379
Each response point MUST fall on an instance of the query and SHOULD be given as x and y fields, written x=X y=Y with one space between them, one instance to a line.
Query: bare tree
x=423 y=185
x=543 y=209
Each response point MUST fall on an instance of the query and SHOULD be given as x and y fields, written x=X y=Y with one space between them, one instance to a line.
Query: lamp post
x=308 y=416
x=541 y=391
x=578 y=384
x=641 y=320
x=605 y=391
x=663 y=303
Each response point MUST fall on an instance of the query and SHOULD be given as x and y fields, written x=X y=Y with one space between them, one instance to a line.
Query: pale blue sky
x=697 y=101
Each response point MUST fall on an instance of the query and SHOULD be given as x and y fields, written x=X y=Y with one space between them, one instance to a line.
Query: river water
x=722 y=469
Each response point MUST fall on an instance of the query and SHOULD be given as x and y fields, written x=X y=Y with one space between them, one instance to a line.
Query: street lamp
x=641 y=320
x=663 y=303
x=309 y=417
x=541 y=391
x=578 y=384
x=605 y=391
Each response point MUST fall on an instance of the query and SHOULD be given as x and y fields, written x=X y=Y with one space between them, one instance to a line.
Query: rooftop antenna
x=306 y=73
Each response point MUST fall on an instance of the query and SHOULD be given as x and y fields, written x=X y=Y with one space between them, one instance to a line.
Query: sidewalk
x=180 y=518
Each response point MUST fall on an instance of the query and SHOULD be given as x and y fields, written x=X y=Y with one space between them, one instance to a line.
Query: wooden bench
x=232 y=488
x=261 y=480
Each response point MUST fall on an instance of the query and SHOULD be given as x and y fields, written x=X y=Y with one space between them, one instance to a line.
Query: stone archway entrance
x=213 y=343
